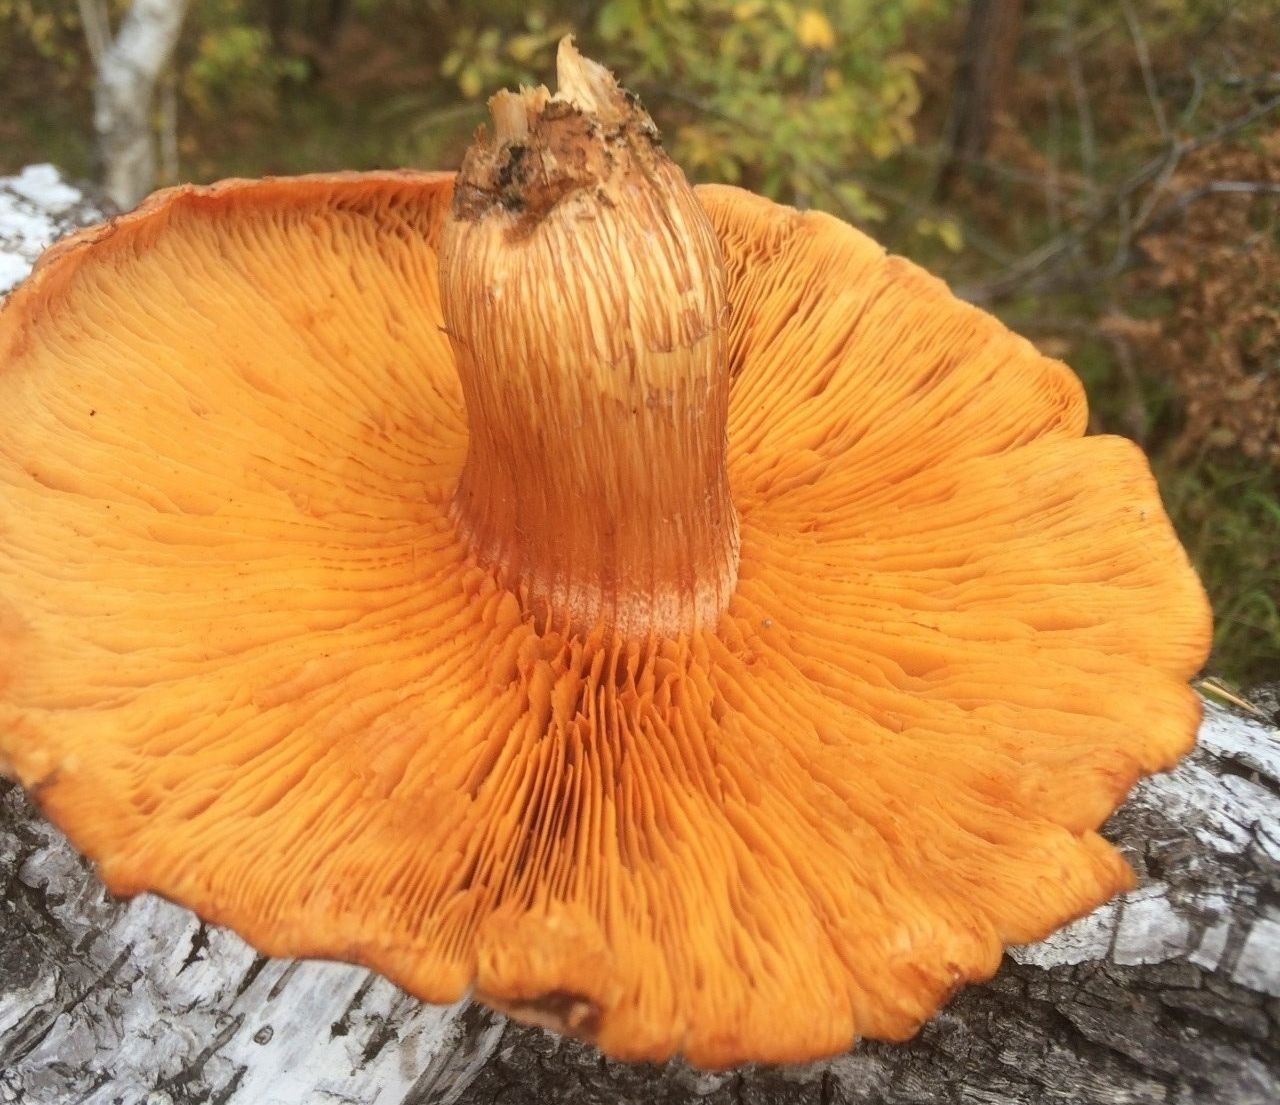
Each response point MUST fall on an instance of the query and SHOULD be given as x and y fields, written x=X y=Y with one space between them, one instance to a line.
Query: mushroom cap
x=245 y=661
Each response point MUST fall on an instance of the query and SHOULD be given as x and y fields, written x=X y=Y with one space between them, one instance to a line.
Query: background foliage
x=1125 y=212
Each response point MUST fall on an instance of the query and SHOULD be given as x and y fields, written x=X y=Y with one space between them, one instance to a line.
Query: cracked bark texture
x=1169 y=994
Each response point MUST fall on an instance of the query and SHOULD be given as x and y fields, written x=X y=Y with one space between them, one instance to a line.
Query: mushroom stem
x=584 y=293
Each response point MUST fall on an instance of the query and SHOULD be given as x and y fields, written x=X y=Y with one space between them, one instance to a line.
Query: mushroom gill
x=261 y=656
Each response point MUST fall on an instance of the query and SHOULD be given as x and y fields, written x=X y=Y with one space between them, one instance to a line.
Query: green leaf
x=616 y=18
x=470 y=82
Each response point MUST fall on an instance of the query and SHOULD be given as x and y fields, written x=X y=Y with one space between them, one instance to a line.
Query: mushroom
x=654 y=608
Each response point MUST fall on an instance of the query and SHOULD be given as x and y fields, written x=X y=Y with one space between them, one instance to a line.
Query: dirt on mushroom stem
x=584 y=294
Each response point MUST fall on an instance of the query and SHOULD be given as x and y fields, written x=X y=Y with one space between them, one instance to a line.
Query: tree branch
x=97 y=28
x=127 y=71
x=1080 y=93
x=1144 y=64
x=1015 y=276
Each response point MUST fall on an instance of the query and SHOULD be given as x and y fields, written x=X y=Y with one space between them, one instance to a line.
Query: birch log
x=1170 y=994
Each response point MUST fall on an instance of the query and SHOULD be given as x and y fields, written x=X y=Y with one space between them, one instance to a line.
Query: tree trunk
x=126 y=70
x=1170 y=994
x=335 y=16
x=981 y=89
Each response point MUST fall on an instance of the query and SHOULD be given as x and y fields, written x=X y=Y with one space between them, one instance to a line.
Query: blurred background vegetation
x=1104 y=174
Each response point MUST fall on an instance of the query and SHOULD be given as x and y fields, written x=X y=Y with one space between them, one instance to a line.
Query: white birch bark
x=127 y=67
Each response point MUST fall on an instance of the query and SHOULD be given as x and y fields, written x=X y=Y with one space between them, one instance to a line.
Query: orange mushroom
x=657 y=609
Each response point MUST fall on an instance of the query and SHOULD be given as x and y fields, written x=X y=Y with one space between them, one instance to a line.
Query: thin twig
x=934 y=155
x=1048 y=253
x=1125 y=253
x=425 y=123
x=1124 y=239
x=97 y=28
x=1215 y=688
x=817 y=69
x=1185 y=199
x=1144 y=63
x=1149 y=204
x=1193 y=101
x=1249 y=84
x=1080 y=92
x=1052 y=191
x=1234 y=126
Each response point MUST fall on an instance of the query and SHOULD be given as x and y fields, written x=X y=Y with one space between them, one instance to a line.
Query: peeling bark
x=37 y=207
x=1170 y=994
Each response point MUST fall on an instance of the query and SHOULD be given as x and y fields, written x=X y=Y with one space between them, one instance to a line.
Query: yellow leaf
x=950 y=236
x=882 y=144
x=945 y=230
x=522 y=47
x=471 y=82
x=814 y=30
